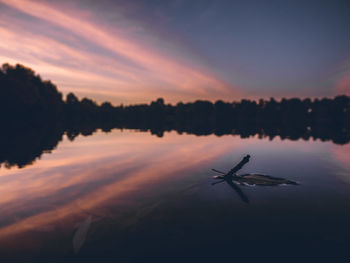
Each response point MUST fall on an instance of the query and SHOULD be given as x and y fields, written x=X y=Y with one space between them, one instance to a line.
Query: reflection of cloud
x=101 y=174
x=342 y=154
x=125 y=165
x=113 y=61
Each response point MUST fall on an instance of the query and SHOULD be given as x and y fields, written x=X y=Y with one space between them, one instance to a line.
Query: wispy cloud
x=94 y=59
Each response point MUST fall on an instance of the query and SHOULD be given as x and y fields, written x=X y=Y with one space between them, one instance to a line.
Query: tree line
x=25 y=95
x=28 y=103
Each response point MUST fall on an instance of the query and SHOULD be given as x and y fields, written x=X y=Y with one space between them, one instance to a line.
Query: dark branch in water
x=238 y=190
x=232 y=179
x=218 y=171
x=239 y=166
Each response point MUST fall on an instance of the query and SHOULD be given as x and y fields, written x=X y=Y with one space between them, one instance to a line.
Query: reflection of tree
x=21 y=145
x=33 y=110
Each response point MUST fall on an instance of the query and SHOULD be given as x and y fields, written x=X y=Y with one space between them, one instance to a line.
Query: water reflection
x=89 y=173
x=22 y=145
x=128 y=190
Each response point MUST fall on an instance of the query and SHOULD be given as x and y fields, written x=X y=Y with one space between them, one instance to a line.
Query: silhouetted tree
x=28 y=103
x=25 y=96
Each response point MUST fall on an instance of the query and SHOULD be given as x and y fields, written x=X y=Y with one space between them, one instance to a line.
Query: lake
x=130 y=196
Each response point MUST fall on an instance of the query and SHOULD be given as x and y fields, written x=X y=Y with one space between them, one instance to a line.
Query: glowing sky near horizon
x=136 y=51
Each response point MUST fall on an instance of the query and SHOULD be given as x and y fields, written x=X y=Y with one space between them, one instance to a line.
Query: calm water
x=131 y=196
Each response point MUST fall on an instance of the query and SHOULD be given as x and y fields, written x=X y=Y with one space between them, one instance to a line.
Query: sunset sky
x=134 y=51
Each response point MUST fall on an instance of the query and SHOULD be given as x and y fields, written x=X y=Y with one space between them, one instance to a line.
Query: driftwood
x=239 y=166
x=232 y=179
x=233 y=171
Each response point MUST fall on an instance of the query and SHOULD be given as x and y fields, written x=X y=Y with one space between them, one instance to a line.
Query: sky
x=134 y=51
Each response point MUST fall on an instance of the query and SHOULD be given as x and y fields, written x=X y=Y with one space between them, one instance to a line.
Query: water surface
x=130 y=196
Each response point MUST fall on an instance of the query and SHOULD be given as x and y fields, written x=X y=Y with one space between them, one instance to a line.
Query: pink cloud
x=156 y=73
x=343 y=85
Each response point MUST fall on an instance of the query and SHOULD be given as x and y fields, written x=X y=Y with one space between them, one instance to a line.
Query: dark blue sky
x=252 y=48
x=264 y=45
